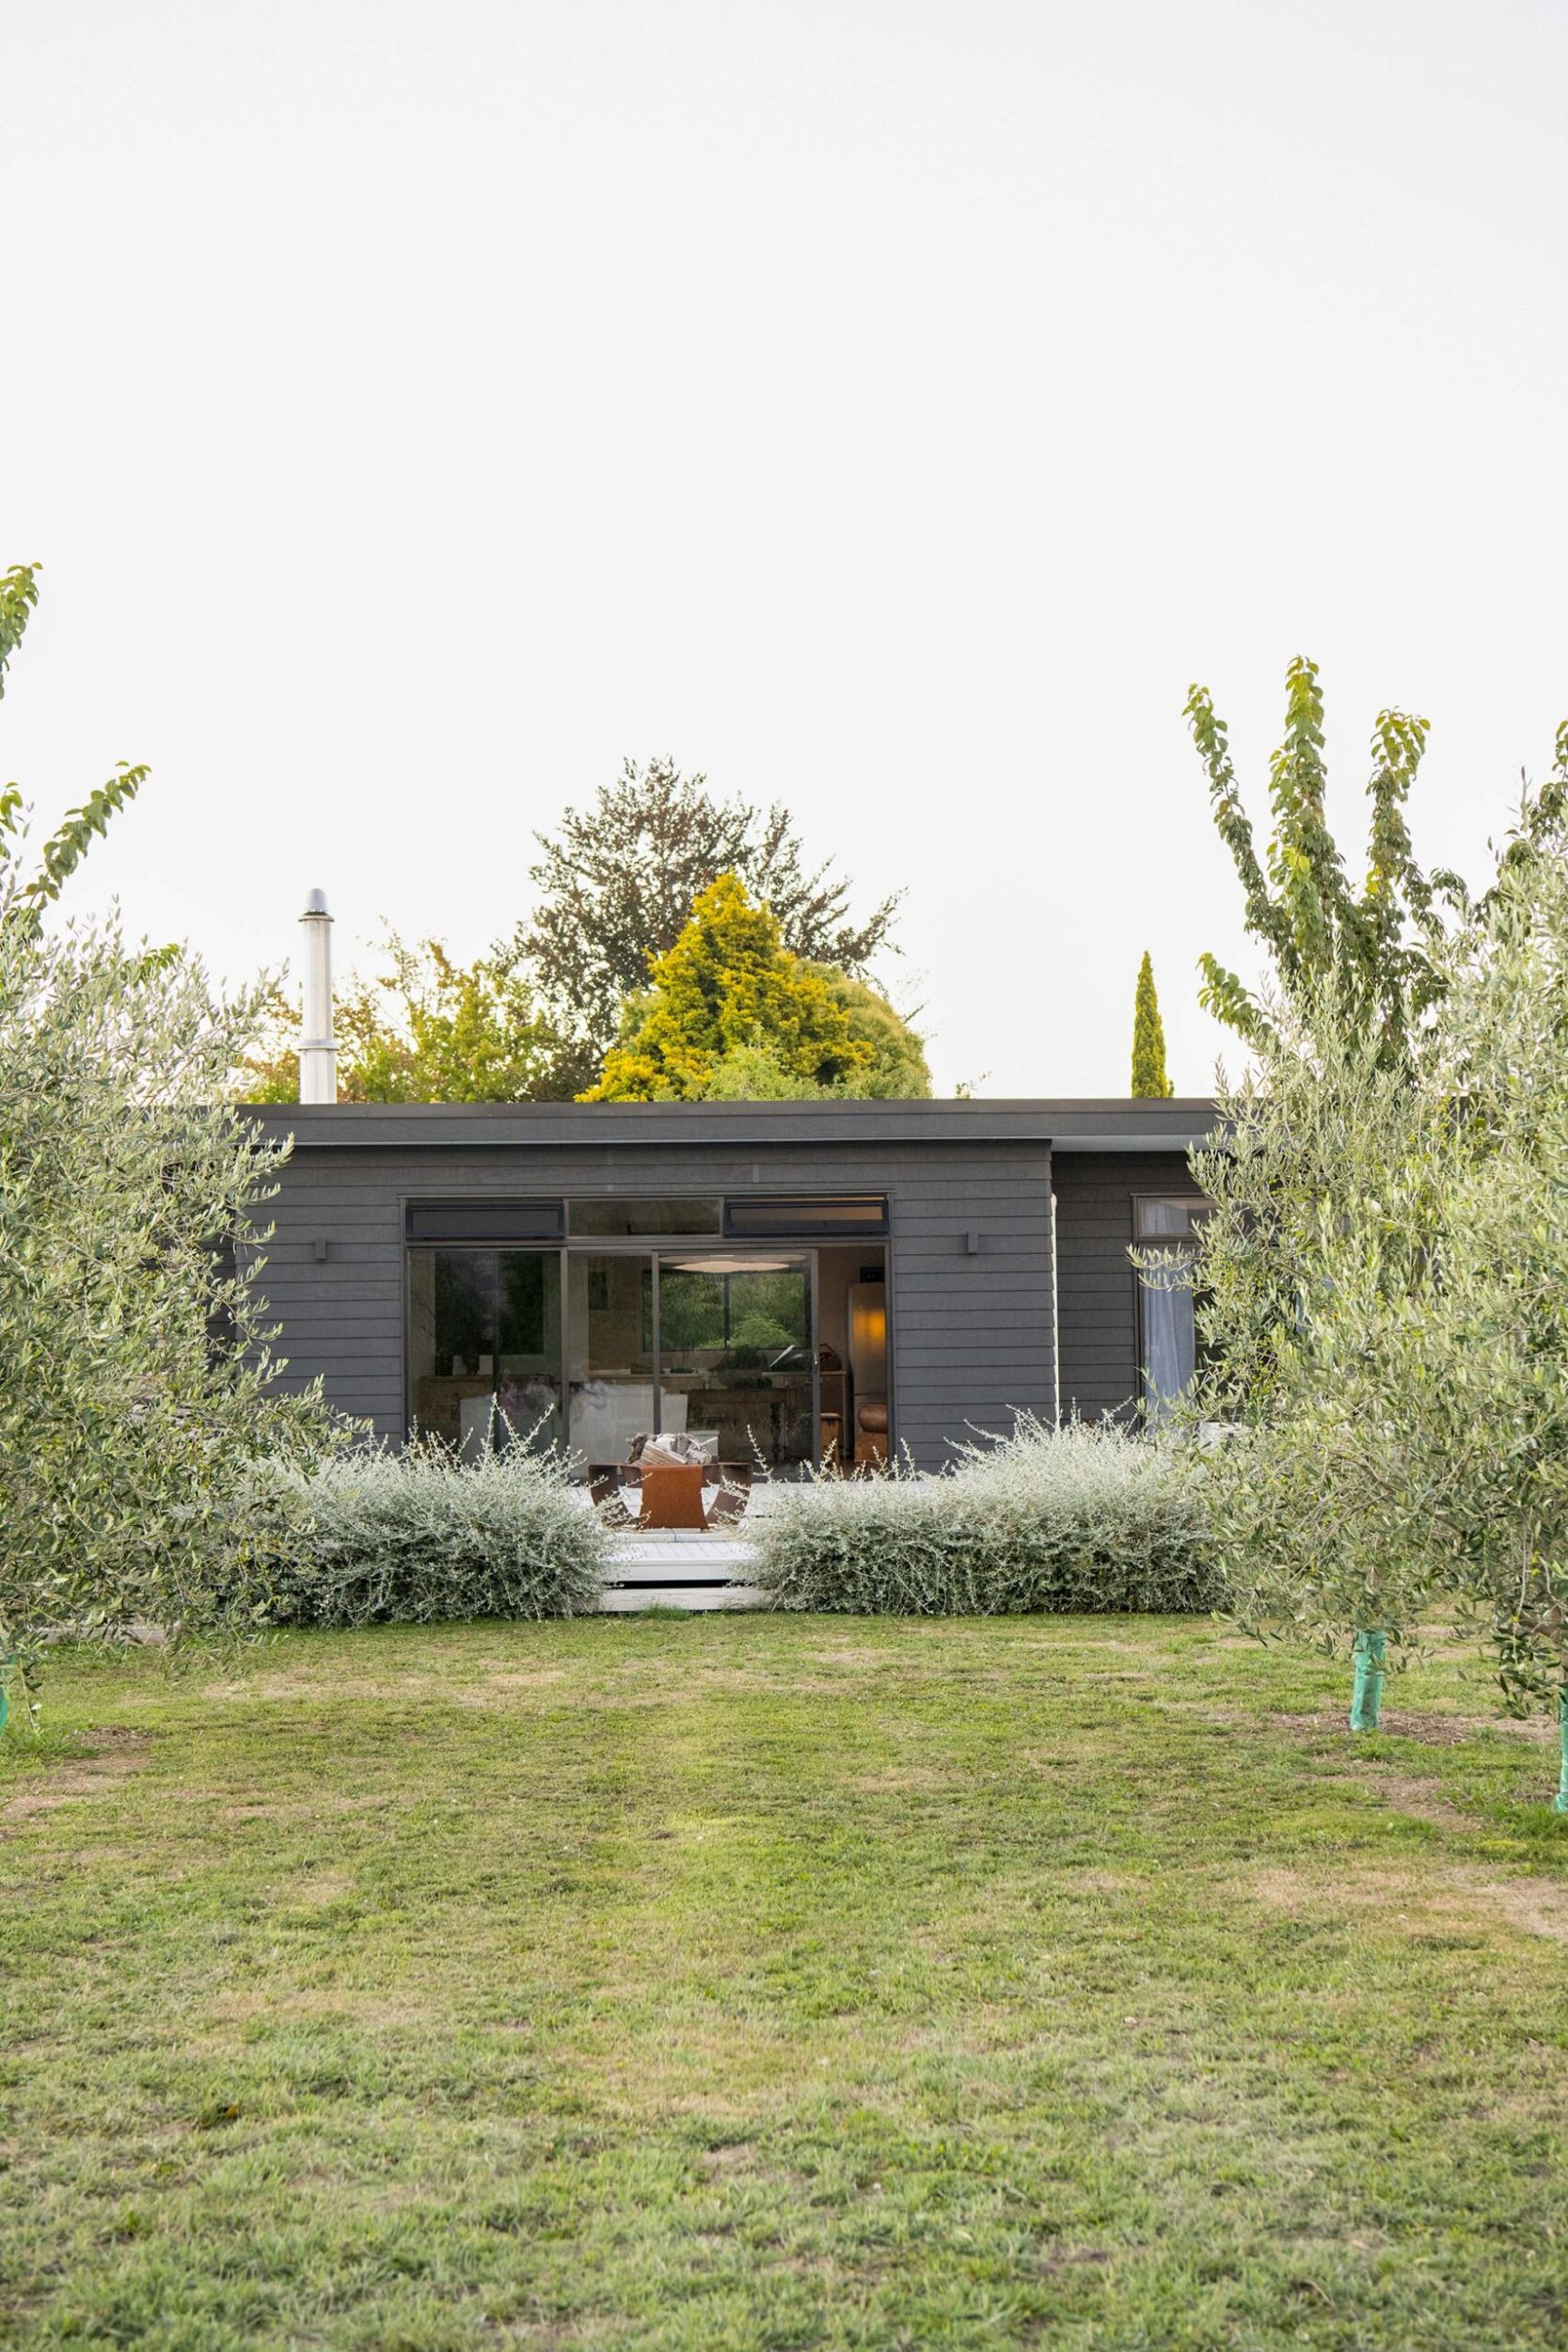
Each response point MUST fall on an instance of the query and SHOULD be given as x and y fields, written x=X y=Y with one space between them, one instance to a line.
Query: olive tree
x=1318 y=1270
x=137 y=1395
x=1386 y=1302
x=1500 y=1323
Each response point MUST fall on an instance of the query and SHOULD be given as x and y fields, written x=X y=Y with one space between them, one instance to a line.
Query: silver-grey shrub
x=412 y=1538
x=1082 y=1520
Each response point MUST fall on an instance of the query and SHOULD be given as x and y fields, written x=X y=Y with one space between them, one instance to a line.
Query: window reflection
x=736 y=1355
x=485 y=1346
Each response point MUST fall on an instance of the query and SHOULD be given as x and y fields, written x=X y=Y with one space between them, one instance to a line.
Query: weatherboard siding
x=971 y=1333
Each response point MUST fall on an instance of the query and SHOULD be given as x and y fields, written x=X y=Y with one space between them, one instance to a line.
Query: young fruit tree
x=136 y=1392
x=1498 y=1403
x=1373 y=951
x=1317 y=1271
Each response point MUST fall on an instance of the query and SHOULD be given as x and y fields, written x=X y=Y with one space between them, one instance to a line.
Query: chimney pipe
x=318 y=1050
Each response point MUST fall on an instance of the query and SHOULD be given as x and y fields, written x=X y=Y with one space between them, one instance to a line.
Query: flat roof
x=1094 y=1123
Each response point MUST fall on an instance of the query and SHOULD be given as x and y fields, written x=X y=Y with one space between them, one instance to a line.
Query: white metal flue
x=318 y=1048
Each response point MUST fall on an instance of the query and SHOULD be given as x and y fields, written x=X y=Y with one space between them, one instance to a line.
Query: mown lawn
x=770 y=1982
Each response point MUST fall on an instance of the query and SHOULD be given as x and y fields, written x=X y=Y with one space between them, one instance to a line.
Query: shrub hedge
x=1082 y=1520
x=380 y=1537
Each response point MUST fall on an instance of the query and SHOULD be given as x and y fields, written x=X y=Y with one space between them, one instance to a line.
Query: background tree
x=729 y=987
x=424 y=1030
x=1149 y=1037
x=898 y=1069
x=136 y=1392
x=616 y=884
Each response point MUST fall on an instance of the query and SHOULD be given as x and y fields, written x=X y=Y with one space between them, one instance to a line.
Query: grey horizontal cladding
x=338 y=1336
x=377 y=1353
x=940 y=1298
x=1016 y=1335
x=1097 y=1282
x=997 y=1232
x=374 y=1271
x=341 y=1296
x=946 y=1315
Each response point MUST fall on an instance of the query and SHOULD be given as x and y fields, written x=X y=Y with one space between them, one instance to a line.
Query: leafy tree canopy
x=1298 y=902
x=726 y=992
x=424 y=1030
x=1149 y=1037
x=898 y=1069
x=616 y=884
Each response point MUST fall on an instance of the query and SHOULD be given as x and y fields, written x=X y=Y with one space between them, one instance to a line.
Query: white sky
x=886 y=408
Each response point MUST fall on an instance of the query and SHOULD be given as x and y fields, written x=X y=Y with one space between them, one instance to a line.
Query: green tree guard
x=1559 y=1802
x=1149 y=1037
x=1366 y=1706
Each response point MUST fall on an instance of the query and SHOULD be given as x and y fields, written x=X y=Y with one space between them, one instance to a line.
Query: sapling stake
x=1559 y=1802
x=1366 y=1706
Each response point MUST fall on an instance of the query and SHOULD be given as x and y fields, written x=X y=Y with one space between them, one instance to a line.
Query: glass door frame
x=655 y=1248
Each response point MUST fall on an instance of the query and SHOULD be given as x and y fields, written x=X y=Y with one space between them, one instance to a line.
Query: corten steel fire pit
x=670 y=1496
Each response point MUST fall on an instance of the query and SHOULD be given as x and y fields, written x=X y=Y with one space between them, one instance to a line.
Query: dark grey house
x=794 y=1278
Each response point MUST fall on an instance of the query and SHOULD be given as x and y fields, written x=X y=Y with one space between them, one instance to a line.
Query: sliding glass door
x=595 y=1347
x=736 y=1358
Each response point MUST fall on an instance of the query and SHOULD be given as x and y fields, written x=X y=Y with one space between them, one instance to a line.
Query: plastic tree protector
x=1366 y=1706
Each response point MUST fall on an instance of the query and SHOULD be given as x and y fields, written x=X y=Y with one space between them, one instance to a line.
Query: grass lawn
x=771 y=1982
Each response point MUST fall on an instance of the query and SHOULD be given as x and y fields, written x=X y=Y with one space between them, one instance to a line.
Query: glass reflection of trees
x=751 y=1319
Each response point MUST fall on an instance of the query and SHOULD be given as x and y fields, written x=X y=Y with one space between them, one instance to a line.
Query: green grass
x=775 y=1982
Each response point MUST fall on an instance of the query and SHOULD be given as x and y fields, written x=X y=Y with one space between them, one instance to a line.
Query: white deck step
x=679 y=1555
x=626 y=1597
x=681 y=1568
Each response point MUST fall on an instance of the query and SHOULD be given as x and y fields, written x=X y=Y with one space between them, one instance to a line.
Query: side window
x=1166 y=1222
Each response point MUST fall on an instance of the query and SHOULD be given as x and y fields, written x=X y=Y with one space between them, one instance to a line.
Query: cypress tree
x=1149 y=1037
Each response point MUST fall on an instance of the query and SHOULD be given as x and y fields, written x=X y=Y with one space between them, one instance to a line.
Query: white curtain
x=1170 y=1353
